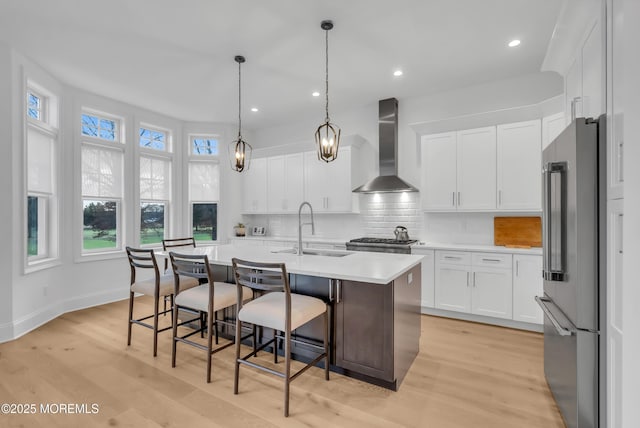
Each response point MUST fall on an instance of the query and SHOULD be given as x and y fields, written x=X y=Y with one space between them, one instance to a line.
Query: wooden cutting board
x=519 y=232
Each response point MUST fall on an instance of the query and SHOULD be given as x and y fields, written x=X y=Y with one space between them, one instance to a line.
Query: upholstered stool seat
x=198 y=297
x=270 y=310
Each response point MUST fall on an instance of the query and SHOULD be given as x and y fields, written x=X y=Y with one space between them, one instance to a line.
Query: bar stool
x=280 y=310
x=158 y=286
x=207 y=298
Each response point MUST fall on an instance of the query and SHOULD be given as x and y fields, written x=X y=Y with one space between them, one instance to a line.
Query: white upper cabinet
x=438 y=186
x=552 y=126
x=328 y=186
x=255 y=187
x=519 y=160
x=285 y=176
x=476 y=169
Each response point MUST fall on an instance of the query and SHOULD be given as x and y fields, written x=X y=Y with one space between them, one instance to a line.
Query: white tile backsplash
x=381 y=213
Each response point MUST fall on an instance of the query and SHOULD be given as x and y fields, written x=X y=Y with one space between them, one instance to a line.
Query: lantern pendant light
x=327 y=134
x=239 y=150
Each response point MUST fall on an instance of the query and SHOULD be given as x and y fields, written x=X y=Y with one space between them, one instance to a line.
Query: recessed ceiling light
x=316 y=94
x=397 y=73
x=254 y=109
x=514 y=43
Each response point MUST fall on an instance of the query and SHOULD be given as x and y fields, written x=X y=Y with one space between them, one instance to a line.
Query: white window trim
x=119 y=145
x=119 y=123
x=204 y=157
x=169 y=149
x=48 y=101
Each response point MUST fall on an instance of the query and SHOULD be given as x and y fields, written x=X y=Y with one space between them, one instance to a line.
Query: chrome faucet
x=300 y=224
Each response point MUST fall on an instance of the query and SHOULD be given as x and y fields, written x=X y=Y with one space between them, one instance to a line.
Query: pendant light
x=327 y=134
x=239 y=150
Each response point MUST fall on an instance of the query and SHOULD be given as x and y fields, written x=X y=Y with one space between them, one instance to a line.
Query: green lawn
x=106 y=239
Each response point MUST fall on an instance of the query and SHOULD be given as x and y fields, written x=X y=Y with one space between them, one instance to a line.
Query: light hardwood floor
x=466 y=375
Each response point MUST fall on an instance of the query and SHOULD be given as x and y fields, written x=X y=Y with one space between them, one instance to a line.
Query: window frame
x=203 y=156
x=119 y=144
x=119 y=247
x=48 y=222
x=191 y=226
x=168 y=150
x=119 y=124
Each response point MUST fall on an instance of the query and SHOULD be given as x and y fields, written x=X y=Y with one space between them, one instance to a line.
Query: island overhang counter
x=373 y=298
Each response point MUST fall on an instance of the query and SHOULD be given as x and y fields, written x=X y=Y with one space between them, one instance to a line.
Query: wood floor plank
x=466 y=375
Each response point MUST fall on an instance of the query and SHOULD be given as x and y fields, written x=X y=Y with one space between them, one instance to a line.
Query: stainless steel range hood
x=388 y=180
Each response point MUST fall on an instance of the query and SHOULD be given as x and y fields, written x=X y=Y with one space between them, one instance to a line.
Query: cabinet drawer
x=453 y=257
x=494 y=260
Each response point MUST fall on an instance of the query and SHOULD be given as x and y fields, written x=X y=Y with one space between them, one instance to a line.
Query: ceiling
x=176 y=58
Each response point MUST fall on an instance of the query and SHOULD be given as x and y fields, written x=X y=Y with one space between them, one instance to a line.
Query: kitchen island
x=373 y=298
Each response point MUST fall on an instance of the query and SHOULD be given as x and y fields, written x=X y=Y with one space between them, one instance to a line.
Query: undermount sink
x=311 y=252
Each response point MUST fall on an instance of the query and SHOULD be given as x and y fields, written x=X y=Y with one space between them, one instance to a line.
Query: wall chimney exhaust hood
x=388 y=180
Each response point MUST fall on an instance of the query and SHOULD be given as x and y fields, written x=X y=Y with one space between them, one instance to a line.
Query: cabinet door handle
x=452 y=257
x=474 y=279
x=620 y=161
x=492 y=260
x=453 y=199
x=338 y=290
x=330 y=290
x=467 y=279
x=500 y=197
x=458 y=198
x=517 y=267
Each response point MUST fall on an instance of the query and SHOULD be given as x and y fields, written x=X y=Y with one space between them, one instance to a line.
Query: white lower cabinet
x=428 y=277
x=527 y=284
x=491 y=292
x=497 y=285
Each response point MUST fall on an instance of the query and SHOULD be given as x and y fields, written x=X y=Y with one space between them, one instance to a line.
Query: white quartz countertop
x=305 y=240
x=475 y=247
x=377 y=268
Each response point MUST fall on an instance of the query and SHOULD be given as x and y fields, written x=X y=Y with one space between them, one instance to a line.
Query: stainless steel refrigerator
x=574 y=256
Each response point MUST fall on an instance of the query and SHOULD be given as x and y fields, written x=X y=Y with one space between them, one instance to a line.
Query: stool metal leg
x=130 y=317
x=209 y=344
x=174 y=341
x=155 y=324
x=237 y=367
x=287 y=369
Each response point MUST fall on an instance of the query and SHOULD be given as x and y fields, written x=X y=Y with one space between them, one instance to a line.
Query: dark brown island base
x=374 y=307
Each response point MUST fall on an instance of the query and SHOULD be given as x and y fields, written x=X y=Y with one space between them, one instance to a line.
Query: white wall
x=6 y=171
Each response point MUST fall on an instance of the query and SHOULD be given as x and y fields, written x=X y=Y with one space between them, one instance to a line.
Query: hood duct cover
x=388 y=180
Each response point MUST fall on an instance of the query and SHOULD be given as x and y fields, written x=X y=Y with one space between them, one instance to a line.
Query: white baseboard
x=35 y=319
x=29 y=322
x=483 y=319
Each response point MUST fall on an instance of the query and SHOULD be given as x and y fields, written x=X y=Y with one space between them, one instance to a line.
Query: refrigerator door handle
x=561 y=330
x=552 y=230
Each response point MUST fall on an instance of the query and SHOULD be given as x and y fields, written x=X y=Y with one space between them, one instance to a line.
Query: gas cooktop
x=390 y=241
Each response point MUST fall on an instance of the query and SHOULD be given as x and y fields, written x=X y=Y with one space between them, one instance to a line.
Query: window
x=204 y=193
x=153 y=139
x=99 y=127
x=41 y=229
x=205 y=221
x=102 y=177
x=204 y=146
x=35 y=106
x=36 y=226
x=155 y=193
